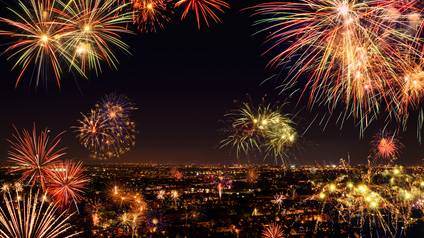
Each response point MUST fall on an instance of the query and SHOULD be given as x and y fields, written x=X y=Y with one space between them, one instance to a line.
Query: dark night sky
x=184 y=81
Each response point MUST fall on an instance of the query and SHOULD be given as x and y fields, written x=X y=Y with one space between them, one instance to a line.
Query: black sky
x=183 y=81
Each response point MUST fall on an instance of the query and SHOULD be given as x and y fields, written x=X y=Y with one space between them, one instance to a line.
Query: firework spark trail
x=262 y=129
x=273 y=230
x=150 y=15
x=67 y=183
x=348 y=48
x=32 y=216
x=93 y=130
x=34 y=154
x=108 y=132
x=204 y=10
x=386 y=146
x=74 y=34
x=36 y=37
x=95 y=28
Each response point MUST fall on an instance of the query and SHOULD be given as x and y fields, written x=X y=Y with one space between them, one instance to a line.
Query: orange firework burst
x=36 y=36
x=34 y=154
x=273 y=230
x=75 y=34
x=150 y=15
x=204 y=10
x=67 y=182
x=95 y=28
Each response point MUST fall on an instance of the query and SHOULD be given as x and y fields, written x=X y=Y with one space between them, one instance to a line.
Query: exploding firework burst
x=34 y=154
x=67 y=183
x=130 y=221
x=116 y=108
x=351 y=50
x=93 y=130
x=386 y=146
x=32 y=216
x=262 y=129
x=273 y=230
x=279 y=200
x=161 y=195
x=204 y=10
x=108 y=132
x=150 y=15
x=75 y=34
x=95 y=28
x=36 y=40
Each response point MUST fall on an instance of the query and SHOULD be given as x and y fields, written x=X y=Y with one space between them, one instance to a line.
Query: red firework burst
x=204 y=10
x=67 y=182
x=150 y=15
x=387 y=146
x=34 y=153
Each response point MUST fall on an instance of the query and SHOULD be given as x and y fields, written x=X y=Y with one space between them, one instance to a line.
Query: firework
x=130 y=221
x=93 y=130
x=150 y=15
x=351 y=50
x=252 y=175
x=139 y=205
x=279 y=200
x=95 y=28
x=175 y=196
x=116 y=108
x=376 y=200
x=273 y=230
x=67 y=182
x=108 y=131
x=220 y=188
x=34 y=154
x=36 y=40
x=386 y=146
x=32 y=216
x=204 y=10
x=262 y=129
x=75 y=34
x=161 y=195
